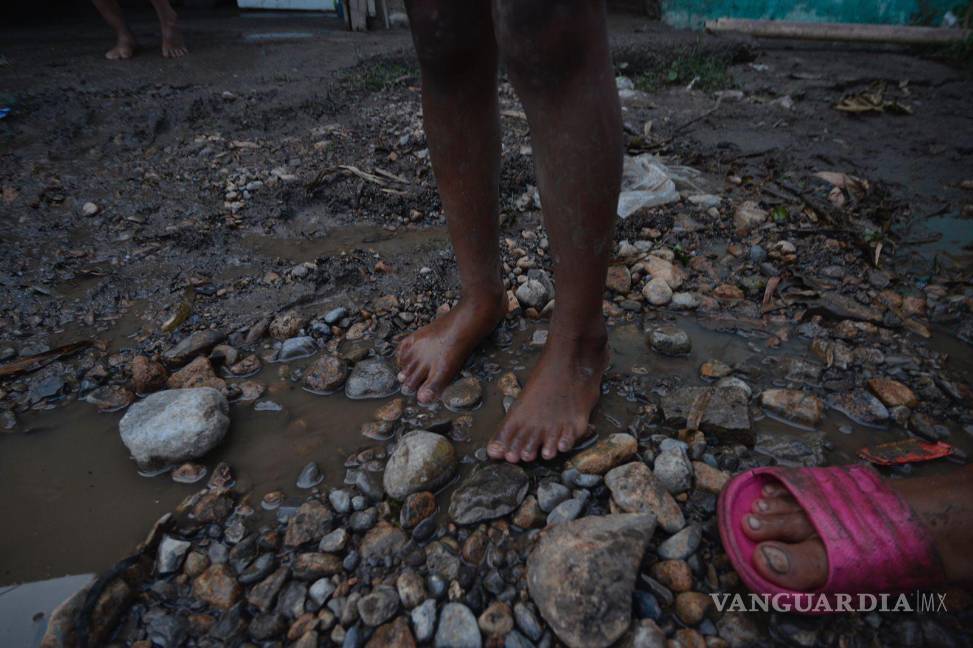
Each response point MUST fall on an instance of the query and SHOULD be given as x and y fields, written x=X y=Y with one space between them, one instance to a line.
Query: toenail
x=753 y=522
x=763 y=505
x=776 y=559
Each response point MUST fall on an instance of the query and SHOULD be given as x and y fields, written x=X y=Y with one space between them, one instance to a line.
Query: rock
x=725 y=414
x=674 y=574
x=670 y=340
x=659 y=268
x=321 y=590
x=582 y=574
x=312 y=520
x=681 y=545
x=490 y=491
x=635 y=489
x=789 y=450
x=648 y=634
x=509 y=385
x=334 y=542
x=110 y=398
x=174 y=426
x=892 y=393
x=395 y=634
x=378 y=606
x=310 y=476
x=191 y=346
x=673 y=470
x=424 y=620
x=170 y=555
x=416 y=508
x=421 y=461
x=335 y=315
x=457 y=628
x=793 y=405
x=684 y=301
x=657 y=292
x=497 y=620
x=529 y=515
x=619 y=279
x=312 y=566
x=527 y=621
x=565 y=511
x=464 y=394
x=550 y=494
x=296 y=348
x=147 y=375
x=286 y=325
x=391 y=411
x=532 y=294
x=411 y=589
x=189 y=473
x=382 y=541
x=606 y=454
x=740 y=630
x=217 y=587
x=693 y=607
x=861 y=407
x=709 y=479
x=372 y=378
x=326 y=375
x=198 y=373
x=747 y=216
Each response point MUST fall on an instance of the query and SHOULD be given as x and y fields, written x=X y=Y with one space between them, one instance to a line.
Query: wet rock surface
x=372 y=378
x=421 y=461
x=582 y=574
x=175 y=425
x=491 y=491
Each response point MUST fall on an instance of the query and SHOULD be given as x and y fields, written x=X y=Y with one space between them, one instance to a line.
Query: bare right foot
x=124 y=48
x=430 y=358
x=172 y=43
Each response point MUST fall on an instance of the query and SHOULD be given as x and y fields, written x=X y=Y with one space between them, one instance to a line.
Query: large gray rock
x=372 y=378
x=490 y=491
x=725 y=412
x=175 y=426
x=582 y=573
x=457 y=628
x=421 y=461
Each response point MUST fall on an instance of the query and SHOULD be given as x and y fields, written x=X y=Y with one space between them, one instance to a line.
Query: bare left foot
x=172 y=43
x=552 y=413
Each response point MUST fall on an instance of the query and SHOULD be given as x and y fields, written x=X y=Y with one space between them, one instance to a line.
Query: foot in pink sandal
x=844 y=530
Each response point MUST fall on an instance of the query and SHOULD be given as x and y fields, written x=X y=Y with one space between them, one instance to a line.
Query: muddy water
x=74 y=503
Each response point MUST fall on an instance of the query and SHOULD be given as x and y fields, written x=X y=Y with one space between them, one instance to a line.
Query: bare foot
x=552 y=413
x=430 y=358
x=124 y=48
x=791 y=555
x=172 y=43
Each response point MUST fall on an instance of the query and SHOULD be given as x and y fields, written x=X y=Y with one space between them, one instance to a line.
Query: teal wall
x=692 y=13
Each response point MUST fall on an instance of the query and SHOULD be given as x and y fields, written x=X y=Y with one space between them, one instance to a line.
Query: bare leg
x=124 y=38
x=458 y=60
x=559 y=62
x=791 y=555
x=172 y=43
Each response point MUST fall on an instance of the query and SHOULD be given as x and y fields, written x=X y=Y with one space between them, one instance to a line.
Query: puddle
x=345 y=239
x=75 y=503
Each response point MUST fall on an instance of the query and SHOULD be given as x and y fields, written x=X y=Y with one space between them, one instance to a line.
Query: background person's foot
x=124 y=49
x=430 y=358
x=791 y=555
x=552 y=413
x=172 y=43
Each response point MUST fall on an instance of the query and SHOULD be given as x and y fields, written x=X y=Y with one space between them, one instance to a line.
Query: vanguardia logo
x=806 y=602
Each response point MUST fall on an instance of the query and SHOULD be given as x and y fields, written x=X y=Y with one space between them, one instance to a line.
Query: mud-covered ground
x=282 y=167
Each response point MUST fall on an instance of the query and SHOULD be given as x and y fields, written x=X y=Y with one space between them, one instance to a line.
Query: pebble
x=793 y=405
x=657 y=292
x=464 y=394
x=681 y=545
x=634 y=489
x=326 y=375
x=379 y=606
x=670 y=340
x=424 y=620
x=372 y=378
x=340 y=500
x=550 y=494
x=334 y=542
x=565 y=511
x=457 y=628
x=605 y=455
x=421 y=461
x=673 y=470
x=527 y=621
x=490 y=491
x=296 y=348
x=171 y=553
x=189 y=473
x=310 y=476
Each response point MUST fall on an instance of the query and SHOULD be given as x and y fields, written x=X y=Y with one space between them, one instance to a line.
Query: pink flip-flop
x=874 y=541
